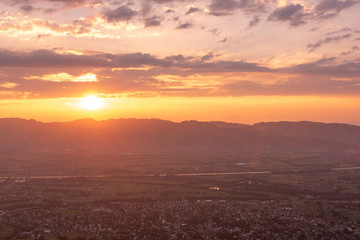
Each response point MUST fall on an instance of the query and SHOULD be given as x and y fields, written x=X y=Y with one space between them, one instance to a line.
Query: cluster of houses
x=174 y=220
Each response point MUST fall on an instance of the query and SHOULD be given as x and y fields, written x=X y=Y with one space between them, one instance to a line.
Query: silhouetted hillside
x=153 y=135
x=334 y=132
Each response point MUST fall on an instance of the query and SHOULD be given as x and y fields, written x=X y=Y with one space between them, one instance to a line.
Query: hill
x=154 y=135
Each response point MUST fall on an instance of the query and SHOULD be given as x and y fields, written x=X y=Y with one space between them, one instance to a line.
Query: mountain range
x=154 y=135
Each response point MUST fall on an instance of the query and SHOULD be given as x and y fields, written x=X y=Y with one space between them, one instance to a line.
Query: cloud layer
x=64 y=48
x=45 y=73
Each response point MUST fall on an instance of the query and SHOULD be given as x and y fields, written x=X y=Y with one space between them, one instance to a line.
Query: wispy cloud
x=313 y=46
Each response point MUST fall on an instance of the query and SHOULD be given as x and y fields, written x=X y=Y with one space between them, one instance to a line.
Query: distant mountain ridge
x=154 y=135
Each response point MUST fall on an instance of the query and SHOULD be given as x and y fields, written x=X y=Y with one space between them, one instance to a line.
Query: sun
x=91 y=102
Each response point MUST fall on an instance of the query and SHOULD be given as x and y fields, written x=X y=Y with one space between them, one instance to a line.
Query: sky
x=241 y=61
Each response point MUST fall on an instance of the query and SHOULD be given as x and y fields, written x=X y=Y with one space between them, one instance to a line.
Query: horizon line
x=190 y=120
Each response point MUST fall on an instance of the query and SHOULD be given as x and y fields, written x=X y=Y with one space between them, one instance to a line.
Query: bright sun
x=91 y=102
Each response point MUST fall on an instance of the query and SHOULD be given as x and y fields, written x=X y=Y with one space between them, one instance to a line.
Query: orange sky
x=231 y=109
x=228 y=60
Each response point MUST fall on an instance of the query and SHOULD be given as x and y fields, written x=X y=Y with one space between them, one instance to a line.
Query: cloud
x=71 y=3
x=42 y=36
x=122 y=13
x=294 y=14
x=65 y=77
x=163 y=1
x=23 y=27
x=8 y=85
x=214 y=31
x=223 y=7
x=184 y=26
x=345 y=29
x=192 y=10
x=46 y=74
x=254 y=21
x=145 y=8
x=16 y=24
x=209 y=56
x=297 y=14
x=291 y=87
x=330 y=8
x=327 y=67
x=52 y=73
x=60 y=28
x=87 y=22
x=27 y=8
x=224 y=40
x=313 y=46
x=352 y=50
x=154 y=21
x=185 y=65
x=51 y=59
x=46 y=58
x=27 y=5
x=229 y=7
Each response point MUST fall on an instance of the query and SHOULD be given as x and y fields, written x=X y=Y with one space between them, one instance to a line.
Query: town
x=205 y=219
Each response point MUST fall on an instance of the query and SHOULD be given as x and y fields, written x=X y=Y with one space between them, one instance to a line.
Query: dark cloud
x=117 y=73
x=352 y=50
x=327 y=67
x=313 y=46
x=345 y=29
x=224 y=40
x=122 y=13
x=293 y=86
x=192 y=10
x=184 y=26
x=223 y=67
x=314 y=29
x=228 y=7
x=297 y=15
x=215 y=31
x=209 y=56
x=254 y=21
x=57 y=5
x=154 y=21
x=331 y=8
x=42 y=36
x=223 y=7
x=27 y=8
x=294 y=14
x=162 y=1
x=65 y=3
x=179 y=59
x=71 y=3
x=85 y=22
x=145 y=8
x=50 y=59
x=116 y=2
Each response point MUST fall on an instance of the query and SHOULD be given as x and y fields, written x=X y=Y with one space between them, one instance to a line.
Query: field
x=85 y=164
x=306 y=182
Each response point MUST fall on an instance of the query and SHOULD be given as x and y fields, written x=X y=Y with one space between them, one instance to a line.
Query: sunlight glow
x=9 y=85
x=65 y=77
x=91 y=102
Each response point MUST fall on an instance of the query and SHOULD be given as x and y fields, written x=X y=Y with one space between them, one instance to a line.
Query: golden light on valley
x=91 y=102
